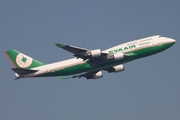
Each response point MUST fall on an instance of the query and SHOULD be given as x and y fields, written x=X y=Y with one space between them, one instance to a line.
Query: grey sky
x=147 y=89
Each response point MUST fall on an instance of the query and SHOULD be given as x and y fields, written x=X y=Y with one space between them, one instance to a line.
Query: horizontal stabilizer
x=23 y=71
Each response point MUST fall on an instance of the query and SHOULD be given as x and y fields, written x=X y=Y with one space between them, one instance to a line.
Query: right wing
x=72 y=49
x=94 y=56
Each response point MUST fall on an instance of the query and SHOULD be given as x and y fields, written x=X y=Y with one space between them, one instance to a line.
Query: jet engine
x=117 y=68
x=94 y=53
x=116 y=56
x=95 y=76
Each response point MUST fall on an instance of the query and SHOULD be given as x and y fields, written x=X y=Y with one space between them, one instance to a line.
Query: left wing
x=88 y=75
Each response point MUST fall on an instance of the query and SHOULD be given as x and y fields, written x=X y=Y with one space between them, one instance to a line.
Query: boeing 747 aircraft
x=88 y=63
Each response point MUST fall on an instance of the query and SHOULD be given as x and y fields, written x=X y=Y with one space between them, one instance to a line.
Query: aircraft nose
x=172 y=41
x=168 y=41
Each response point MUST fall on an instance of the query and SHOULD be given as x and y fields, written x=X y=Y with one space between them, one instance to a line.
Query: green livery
x=88 y=63
x=22 y=60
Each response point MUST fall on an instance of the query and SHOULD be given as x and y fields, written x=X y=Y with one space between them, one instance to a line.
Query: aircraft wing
x=71 y=49
x=82 y=52
x=93 y=57
x=88 y=75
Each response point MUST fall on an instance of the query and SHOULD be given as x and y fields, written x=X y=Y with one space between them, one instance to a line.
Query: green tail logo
x=20 y=60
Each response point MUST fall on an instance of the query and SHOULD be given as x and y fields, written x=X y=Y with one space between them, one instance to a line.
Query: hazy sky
x=149 y=88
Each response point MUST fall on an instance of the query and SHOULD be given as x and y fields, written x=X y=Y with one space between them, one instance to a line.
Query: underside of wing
x=90 y=75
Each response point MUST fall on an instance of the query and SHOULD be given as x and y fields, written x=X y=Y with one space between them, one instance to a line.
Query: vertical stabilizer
x=20 y=60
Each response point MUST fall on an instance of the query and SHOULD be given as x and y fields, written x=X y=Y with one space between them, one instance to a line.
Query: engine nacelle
x=95 y=76
x=116 y=56
x=94 y=53
x=117 y=68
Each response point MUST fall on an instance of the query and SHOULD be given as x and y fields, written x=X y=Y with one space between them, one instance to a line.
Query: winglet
x=58 y=45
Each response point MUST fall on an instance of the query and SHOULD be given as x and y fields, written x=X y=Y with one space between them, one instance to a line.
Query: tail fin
x=20 y=60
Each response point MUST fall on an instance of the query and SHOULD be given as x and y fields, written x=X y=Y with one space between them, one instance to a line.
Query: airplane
x=88 y=63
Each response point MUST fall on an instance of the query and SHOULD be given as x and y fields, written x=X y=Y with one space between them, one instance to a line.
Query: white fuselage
x=125 y=47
